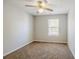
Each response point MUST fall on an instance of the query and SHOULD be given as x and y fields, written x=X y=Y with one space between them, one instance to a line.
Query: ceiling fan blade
x=48 y=9
x=30 y=6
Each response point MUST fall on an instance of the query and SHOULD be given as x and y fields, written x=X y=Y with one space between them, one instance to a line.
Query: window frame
x=53 y=32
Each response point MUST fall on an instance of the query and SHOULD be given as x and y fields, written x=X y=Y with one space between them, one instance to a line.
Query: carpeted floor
x=38 y=50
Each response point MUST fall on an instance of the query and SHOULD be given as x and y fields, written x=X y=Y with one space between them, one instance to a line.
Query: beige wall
x=41 y=28
x=18 y=28
x=71 y=27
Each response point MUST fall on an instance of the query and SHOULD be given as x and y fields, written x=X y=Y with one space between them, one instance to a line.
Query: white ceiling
x=59 y=6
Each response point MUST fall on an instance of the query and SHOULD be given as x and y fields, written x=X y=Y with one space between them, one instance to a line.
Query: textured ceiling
x=59 y=6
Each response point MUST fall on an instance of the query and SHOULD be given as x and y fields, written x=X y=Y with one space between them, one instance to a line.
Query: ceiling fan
x=41 y=5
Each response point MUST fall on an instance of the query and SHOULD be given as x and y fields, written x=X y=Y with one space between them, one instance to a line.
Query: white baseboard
x=50 y=41
x=16 y=48
x=73 y=53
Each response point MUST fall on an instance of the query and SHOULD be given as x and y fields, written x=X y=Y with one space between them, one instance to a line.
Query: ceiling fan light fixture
x=40 y=10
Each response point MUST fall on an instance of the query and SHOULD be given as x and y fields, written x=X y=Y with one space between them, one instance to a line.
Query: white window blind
x=53 y=27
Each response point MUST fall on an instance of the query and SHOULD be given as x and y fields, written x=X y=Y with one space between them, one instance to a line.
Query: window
x=53 y=27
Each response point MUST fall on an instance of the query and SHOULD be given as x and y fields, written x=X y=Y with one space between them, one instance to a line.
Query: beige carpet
x=37 y=50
